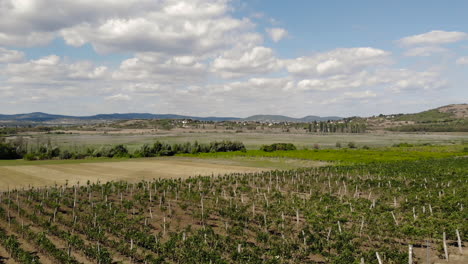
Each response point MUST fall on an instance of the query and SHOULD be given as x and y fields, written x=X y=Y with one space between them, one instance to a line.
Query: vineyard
x=387 y=212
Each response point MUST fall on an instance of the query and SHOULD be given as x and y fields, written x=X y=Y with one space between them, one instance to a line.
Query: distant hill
x=34 y=117
x=280 y=118
x=449 y=118
x=44 y=117
x=448 y=112
x=454 y=111
x=437 y=115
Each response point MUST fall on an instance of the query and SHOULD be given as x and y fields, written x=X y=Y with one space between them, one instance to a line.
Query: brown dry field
x=39 y=175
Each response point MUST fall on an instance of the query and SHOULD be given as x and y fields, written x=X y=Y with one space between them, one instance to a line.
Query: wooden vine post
x=459 y=242
x=410 y=254
x=445 y=247
x=378 y=258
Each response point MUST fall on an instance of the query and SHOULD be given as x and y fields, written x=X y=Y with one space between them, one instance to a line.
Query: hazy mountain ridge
x=281 y=118
x=457 y=111
x=44 y=117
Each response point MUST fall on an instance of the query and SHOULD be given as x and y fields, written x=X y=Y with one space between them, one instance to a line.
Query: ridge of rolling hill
x=448 y=118
x=44 y=117
x=281 y=118
x=448 y=113
x=453 y=111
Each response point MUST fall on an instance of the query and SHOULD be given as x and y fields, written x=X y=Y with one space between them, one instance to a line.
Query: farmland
x=19 y=173
x=317 y=203
x=333 y=214
x=233 y=132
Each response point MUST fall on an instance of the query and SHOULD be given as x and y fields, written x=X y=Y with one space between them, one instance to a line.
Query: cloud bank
x=193 y=57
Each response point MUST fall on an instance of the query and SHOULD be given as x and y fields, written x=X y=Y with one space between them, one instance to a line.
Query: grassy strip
x=344 y=155
x=349 y=156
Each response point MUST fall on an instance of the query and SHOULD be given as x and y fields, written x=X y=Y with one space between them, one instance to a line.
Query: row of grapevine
x=339 y=214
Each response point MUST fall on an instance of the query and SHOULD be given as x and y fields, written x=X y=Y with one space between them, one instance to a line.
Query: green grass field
x=351 y=155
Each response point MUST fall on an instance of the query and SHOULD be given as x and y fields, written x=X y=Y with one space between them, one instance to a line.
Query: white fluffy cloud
x=36 y=22
x=392 y=80
x=170 y=26
x=434 y=37
x=52 y=70
x=462 y=60
x=400 y=80
x=360 y=94
x=424 y=51
x=156 y=34
x=241 y=62
x=50 y=80
x=161 y=69
x=118 y=97
x=185 y=55
x=277 y=34
x=7 y=56
x=339 y=61
x=255 y=88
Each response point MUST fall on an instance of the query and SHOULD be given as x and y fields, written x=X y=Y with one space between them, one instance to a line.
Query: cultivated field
x=344 y=205
x=375 y=213
x=16 y=174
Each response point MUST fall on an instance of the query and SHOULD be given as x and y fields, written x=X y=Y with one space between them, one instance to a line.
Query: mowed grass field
x=19 y=173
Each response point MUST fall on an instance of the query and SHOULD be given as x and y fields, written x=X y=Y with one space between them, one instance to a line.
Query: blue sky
x=232 y=58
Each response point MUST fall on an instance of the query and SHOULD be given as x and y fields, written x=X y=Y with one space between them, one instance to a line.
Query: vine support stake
x=394 y=218
x=378 y=258
x=410 y=254
x=428 y=254
x=362 y=226
x=297 y=217
x=459 y=241
x=445 y=247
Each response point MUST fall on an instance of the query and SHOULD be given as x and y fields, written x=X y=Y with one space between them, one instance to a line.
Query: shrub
x=8 y=152
x=226 y=146
x=103 y=151
x=338 y=144
x=29 y=156
x=65 y=155
x=119 y=151
x=163 y=149
x=351 y=145
x=144 y=151
x=53 y=152
x=278 y=146
x=403 y=144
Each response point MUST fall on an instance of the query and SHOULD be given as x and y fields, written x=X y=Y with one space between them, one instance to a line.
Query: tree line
x=13 y=150
x=329 y=127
